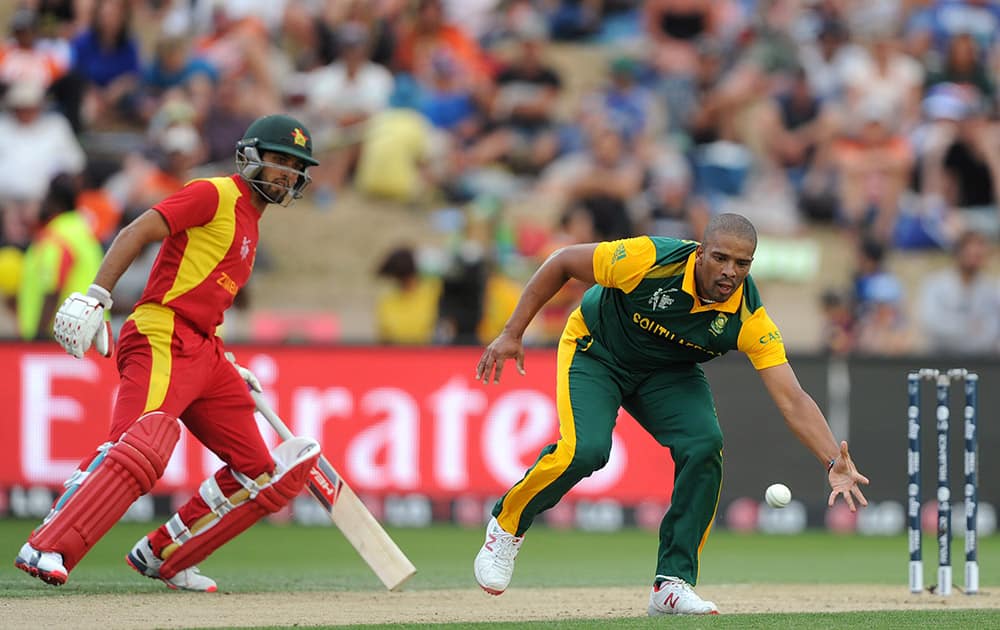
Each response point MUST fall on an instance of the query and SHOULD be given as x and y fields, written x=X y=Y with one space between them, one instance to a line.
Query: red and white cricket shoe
x=494 y=563
x=47 y=566
x=674 y=596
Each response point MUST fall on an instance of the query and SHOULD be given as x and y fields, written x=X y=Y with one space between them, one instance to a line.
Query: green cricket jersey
x=645 y=310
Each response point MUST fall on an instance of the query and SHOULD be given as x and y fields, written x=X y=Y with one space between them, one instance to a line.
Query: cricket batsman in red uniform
x=173 y=369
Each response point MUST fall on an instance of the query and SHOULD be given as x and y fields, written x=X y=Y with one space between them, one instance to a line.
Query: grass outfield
x=271 y=558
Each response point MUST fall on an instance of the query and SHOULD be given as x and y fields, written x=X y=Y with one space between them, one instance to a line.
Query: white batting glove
x=247 y=376
x=80 y=322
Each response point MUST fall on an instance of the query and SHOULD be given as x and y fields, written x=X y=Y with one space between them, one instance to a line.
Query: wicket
x=943 y=380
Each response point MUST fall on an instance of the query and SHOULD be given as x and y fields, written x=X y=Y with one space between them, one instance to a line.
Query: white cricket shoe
x=143 y=560
x=47 y=566
x=674 y=596
x=494 y=563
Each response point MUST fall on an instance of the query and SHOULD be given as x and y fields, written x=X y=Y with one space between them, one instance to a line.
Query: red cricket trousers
x=166 y=365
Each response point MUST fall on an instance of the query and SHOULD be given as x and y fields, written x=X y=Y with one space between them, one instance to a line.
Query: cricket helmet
x=277 y=133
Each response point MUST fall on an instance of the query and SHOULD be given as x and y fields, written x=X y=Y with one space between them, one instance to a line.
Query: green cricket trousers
x=674 y=405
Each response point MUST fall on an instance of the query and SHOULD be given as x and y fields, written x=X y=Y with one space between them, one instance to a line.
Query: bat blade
x=358 y=525
x=349 y=513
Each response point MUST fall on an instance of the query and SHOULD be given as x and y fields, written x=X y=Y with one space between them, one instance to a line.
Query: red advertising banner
x=392 y=421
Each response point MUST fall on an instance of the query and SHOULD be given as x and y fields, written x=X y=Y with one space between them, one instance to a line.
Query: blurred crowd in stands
x=877 y=119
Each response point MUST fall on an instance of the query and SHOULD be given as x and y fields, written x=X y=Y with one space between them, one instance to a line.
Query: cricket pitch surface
x=180 y=610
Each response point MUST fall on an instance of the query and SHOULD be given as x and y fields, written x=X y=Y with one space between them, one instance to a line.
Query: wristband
x=829 y=466
x=100 y=294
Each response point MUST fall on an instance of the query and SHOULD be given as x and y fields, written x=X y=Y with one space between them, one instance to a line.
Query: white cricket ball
x=778 y=495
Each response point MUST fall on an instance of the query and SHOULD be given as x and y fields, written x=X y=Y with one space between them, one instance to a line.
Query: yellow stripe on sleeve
x=624 y=263
x=207 y=244
x=761 y=340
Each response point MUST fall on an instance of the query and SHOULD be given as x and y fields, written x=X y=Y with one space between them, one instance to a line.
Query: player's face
x=280 y=172
x=721 y=266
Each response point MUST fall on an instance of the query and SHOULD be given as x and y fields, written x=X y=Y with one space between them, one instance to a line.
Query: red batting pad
x=128 y=471
x=301 y=455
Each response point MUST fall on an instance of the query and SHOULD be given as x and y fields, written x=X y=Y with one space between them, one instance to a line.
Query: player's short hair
x=733 y=224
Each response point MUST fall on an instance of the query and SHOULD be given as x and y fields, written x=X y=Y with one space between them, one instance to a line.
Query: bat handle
x=265 y=409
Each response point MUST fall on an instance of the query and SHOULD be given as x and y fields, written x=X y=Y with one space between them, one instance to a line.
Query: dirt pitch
x=180 y=610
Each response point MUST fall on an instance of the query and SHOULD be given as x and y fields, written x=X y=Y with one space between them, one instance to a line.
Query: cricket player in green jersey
x=658 y=308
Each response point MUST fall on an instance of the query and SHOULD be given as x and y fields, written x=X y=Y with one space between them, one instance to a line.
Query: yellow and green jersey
x=645 y=309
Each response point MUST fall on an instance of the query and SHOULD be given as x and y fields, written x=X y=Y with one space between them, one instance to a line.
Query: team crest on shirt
x=718 y=324
x=245 y=248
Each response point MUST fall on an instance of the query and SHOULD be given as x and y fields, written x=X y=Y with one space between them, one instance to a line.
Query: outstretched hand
x=504 y=347
x=844 y=479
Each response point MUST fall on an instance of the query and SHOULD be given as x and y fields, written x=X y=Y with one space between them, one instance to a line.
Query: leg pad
x=97 y=497
x=259 y=497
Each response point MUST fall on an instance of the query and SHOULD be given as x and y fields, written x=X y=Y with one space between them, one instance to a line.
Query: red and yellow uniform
x=169 y=357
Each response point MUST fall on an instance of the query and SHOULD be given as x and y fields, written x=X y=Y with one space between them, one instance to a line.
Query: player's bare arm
x=806 y=421
x=575 y=261
x=128 y=244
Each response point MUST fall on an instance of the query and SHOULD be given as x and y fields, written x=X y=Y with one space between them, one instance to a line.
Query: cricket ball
x=778 y=495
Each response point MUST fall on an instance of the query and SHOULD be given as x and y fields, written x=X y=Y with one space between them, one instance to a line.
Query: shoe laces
x=505 y=548
x=679 y=582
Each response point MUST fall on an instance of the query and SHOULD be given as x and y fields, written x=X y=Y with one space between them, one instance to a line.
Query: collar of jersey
x=729 y=306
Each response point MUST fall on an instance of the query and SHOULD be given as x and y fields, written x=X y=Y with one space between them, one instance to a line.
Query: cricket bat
x=348 y=513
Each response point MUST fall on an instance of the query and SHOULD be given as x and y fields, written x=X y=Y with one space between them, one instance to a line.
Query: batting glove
x=247 y=376
x=80 y=322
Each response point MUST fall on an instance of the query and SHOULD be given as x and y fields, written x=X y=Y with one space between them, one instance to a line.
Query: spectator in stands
x=381 y=20
x=106 y=58
x=523 y=116
x=672 y=207
x=931 y=27
x=873 y=281
x=95 y=202
x=883 y=328
x=175 y=67
x=37 y=145
x=24 y=57
x=885 y=75
x=463 y=294
x=624 y=103
x=231 y=110
x=407 y=312
x=63 y=257
x=239 y=48
x=395 y=161
x=838 y=324
x=674 y=28
x=340 y=99
x=873 y=167
x=605 y=182
x=805 y=129
x=959 y=307
x=961 y=167
x=427 y=37
x=963 y=65
x=571 y=20
x=825 y=58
